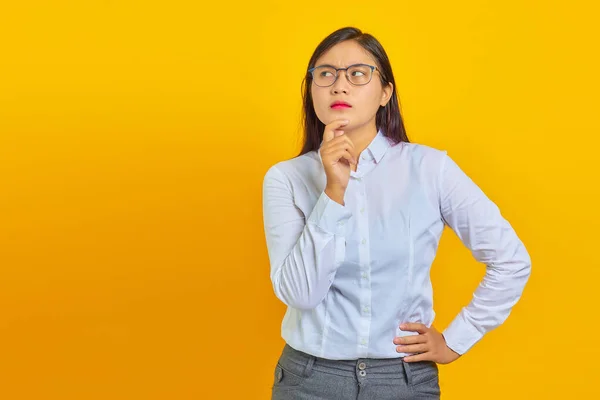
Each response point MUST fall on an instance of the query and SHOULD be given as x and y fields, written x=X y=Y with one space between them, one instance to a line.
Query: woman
x=352 y=226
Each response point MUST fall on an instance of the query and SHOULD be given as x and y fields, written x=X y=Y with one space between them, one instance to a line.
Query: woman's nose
x=341 y=84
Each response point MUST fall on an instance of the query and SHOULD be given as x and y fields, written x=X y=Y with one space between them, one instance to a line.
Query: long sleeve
x=478 y=223
x=304 y=253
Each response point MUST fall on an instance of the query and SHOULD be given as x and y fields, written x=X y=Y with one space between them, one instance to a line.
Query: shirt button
x=366 y=309
x=341 y=223
x=363 y=341
x=364 y=275
x=364 y=241
x=362 y=210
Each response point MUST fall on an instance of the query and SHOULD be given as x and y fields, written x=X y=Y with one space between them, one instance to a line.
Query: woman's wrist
x=335 y=193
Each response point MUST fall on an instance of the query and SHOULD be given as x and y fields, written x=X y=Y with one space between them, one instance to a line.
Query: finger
x=331 y=151
x=339 y=139
x=413 y=348
x=336 y=144
x=337 y=147
x=344 y=155
x=414 y=327
x=412 y=339
x=349 y=157
x=339 y=155
x=427 y=356
x=329 y=132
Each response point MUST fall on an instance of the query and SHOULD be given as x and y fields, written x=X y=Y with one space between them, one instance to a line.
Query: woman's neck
x=362 y=137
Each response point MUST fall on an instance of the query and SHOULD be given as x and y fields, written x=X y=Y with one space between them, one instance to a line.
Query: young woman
x=352 y=226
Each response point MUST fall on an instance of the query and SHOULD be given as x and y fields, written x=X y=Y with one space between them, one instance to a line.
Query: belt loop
x=407 y=372
x=309 y=365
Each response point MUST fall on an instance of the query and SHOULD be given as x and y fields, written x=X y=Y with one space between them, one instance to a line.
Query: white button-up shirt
x=350 y=274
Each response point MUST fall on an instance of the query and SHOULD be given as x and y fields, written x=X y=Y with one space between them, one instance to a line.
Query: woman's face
x=364 y=100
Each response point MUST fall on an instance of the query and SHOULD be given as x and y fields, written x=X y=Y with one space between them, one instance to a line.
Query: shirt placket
x=364 y=258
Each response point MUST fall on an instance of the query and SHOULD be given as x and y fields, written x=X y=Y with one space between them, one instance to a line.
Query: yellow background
x=134 y=136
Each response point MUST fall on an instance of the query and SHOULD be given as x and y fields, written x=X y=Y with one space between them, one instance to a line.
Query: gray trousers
x=305 y=377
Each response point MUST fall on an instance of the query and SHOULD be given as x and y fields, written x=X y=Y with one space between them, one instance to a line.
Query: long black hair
x=388 y=119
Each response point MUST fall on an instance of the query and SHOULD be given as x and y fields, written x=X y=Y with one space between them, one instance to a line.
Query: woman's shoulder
x=301 y=165
x=419 y=150
x=421 y=156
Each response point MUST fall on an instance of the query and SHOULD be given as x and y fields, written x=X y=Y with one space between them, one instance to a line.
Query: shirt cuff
x=330 y=215
x=461 y=335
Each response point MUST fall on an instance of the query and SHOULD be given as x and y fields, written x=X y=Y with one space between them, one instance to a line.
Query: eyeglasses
x=357 y=74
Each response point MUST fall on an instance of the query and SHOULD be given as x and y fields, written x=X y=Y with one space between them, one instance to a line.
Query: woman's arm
x=480 y=226
x=304 y=255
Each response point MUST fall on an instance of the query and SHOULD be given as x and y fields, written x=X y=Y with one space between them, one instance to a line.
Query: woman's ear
x=387 y=94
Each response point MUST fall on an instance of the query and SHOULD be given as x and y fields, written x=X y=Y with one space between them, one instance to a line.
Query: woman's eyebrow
x=333 y=66
x=325 y=65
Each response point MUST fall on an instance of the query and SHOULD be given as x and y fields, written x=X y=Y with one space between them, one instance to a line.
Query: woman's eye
x=324 y=73
x=357 y=72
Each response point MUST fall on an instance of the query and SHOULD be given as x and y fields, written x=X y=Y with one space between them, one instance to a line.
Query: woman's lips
x=340 y=106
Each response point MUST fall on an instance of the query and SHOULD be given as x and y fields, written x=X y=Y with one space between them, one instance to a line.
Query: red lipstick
x=339 y=105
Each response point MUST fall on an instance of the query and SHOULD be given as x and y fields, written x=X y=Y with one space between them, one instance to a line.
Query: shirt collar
x=378 y=146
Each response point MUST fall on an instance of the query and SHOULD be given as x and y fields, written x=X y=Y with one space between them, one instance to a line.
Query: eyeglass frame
x=337 y=75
